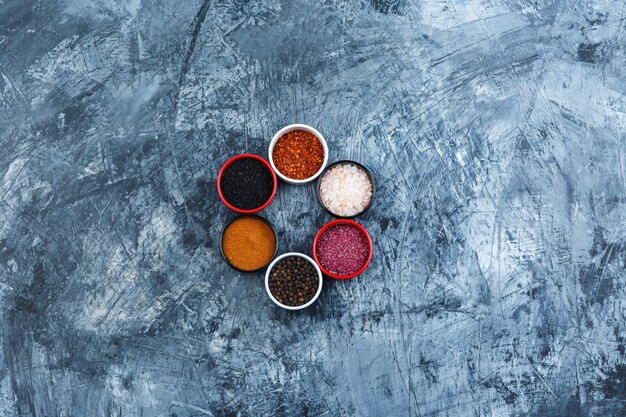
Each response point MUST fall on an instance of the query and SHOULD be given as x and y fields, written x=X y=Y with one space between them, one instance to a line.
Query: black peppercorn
x=293 y=281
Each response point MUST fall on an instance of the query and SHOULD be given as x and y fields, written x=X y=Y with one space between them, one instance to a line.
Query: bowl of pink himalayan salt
x=346 y=189
x=342 y=249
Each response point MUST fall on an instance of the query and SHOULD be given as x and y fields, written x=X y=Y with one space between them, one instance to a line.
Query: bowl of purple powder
x=342 y=249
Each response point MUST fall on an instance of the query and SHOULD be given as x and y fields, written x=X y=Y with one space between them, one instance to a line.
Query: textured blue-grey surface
x=496 y=130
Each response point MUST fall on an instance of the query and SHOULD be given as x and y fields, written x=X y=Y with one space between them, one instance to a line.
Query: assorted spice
x=298 y=154
x=293 y=281
x=247 y=184
x=346 y=190
x=342 y=249
x=248 y=243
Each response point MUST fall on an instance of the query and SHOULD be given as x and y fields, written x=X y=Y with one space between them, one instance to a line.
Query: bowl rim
x=367 y=237
x=289 y=128
x=227 y=164
x=231 y=221
x=346 y=161
x=319 y=276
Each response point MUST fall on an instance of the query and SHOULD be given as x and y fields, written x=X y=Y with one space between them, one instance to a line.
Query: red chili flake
x=298 y=154
x=342 y=249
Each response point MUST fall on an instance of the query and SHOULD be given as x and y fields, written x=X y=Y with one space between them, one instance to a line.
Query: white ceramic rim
x=289 y=128
x=267 y=280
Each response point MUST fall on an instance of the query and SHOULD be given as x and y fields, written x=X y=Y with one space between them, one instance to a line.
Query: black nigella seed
x=246 y=184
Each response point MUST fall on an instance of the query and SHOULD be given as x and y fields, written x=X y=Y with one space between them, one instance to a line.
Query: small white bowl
x=267 y=281
x=289 y=129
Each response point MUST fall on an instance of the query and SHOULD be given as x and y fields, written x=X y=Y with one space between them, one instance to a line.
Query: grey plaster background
x=496 y=130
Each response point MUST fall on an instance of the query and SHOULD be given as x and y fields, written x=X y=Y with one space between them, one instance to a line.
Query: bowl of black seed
x=246 y=183
x=293 y=281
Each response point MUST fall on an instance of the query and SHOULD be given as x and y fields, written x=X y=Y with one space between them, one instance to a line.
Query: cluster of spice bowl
x=342 y=249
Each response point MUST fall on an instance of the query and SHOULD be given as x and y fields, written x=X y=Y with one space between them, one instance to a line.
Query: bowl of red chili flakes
x=298 y=153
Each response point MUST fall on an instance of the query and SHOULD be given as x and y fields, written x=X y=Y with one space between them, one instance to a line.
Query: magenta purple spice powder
x=342 y=249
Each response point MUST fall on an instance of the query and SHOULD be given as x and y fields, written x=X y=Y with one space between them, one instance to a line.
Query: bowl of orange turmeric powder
x=248 y=243
x=298 y=153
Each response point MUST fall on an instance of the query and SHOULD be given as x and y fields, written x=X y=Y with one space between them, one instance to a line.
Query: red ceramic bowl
x=361 y=229
x=230 y=161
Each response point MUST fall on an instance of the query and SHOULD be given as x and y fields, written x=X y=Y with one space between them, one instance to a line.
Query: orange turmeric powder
x=248 y=243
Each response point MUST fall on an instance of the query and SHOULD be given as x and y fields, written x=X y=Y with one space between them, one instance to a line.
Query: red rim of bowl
x=361 y=229
x=226 y=165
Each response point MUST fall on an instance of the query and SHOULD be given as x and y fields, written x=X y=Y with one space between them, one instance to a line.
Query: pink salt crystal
x=342 y=249
x=345 y=190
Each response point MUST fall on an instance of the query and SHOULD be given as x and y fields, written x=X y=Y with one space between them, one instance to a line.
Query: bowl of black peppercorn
x=246 y=183
x=293 y=281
